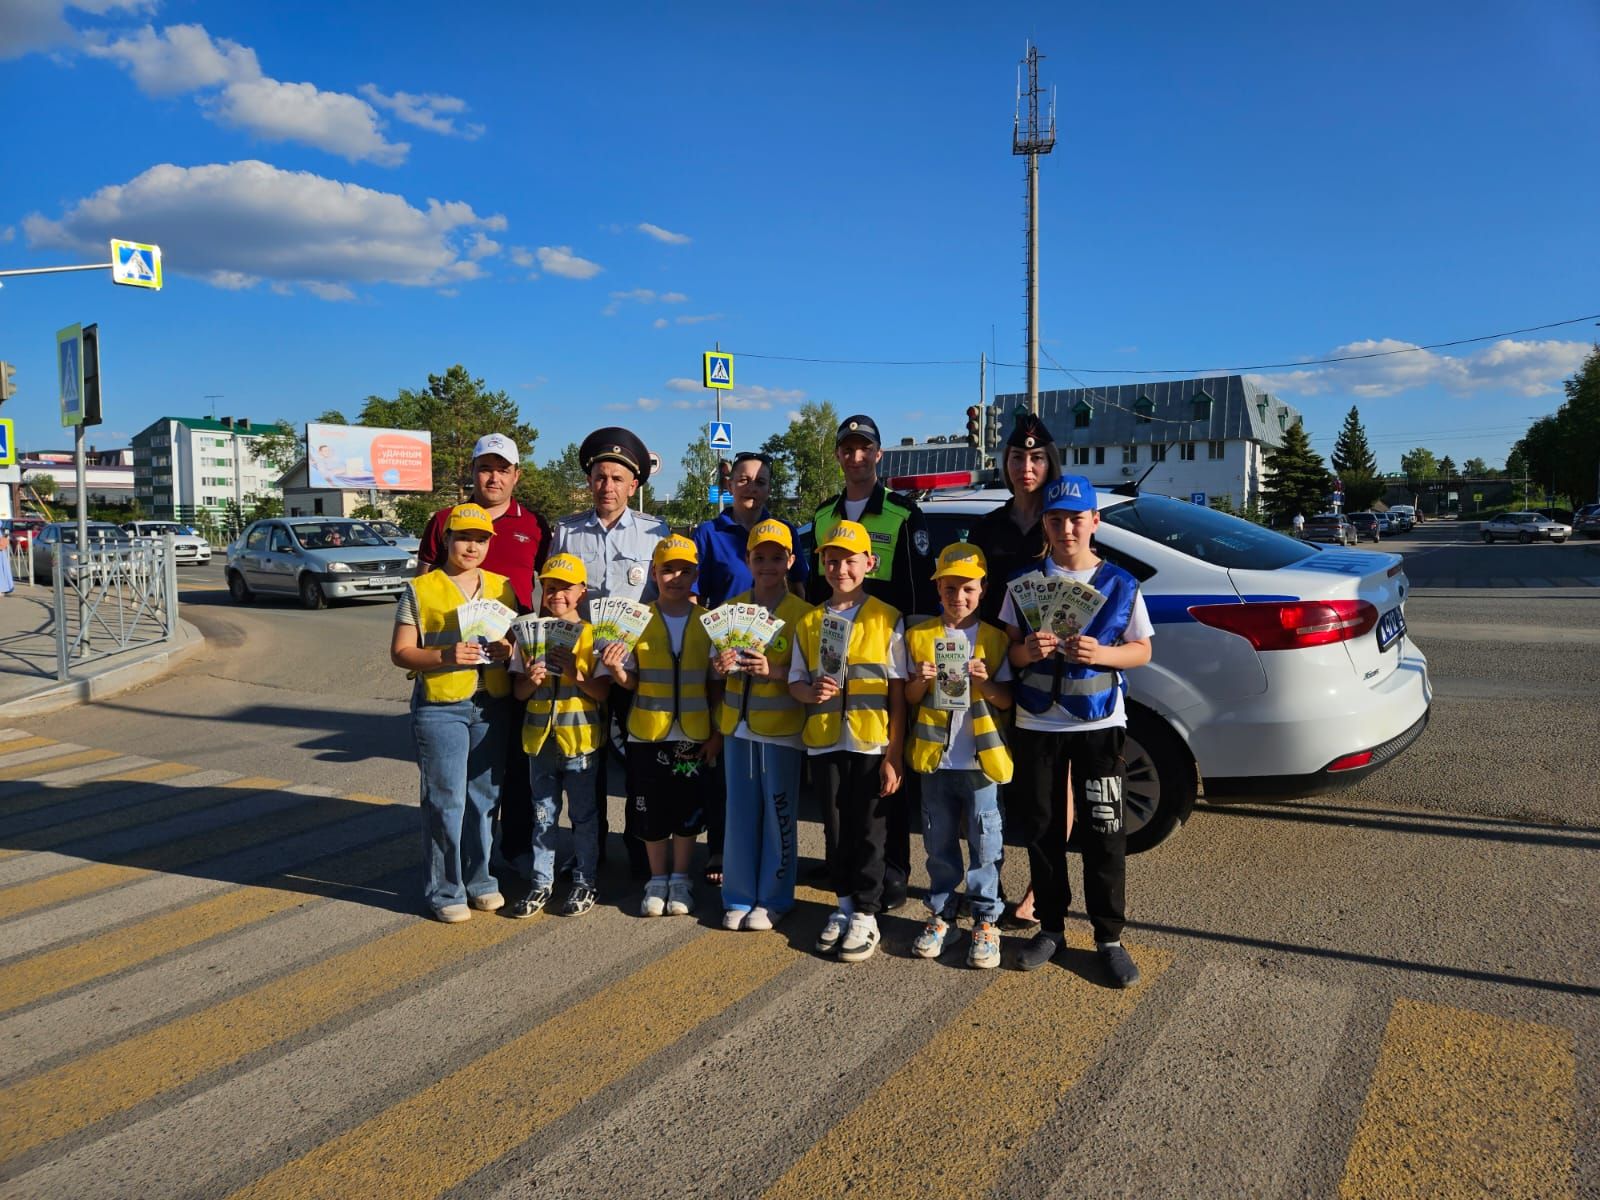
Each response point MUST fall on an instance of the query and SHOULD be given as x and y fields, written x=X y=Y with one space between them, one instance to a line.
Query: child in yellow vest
x=562 y=734
x=459 y=716
x=854 y=735
x=672 y=744
x=762 y=752
x=961 y=758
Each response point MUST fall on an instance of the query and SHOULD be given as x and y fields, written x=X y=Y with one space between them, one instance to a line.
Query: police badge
x=919 y=539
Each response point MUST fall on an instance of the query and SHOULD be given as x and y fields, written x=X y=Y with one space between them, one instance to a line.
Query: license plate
x=1391 y=627
x=385 y=581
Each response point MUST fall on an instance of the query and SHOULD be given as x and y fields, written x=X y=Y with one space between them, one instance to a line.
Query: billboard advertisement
x=360 y=456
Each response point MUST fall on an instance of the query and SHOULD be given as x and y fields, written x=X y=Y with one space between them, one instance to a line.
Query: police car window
x=1207 y=535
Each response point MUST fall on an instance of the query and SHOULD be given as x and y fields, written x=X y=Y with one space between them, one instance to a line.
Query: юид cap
x=858 y=426
x=770 y=531
x=565 y=568
x=675 y=548
x=469 y=516
x=1071 y=493
x=848 y=535
x=962 y=560
x=497 y=443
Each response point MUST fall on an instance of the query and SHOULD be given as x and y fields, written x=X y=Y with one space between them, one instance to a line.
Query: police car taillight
x=1290 y=624
x=936 y=479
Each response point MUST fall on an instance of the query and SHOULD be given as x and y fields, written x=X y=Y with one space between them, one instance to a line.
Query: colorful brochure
x=716 y=625
x=529 y=634
x=484 y=621
x=561 y=635
x=952 y=687
x=833 y=645
x=618 y=619
x=1073 y=605
x=1025 y=599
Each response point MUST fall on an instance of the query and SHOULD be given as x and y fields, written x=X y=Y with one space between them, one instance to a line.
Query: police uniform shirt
x=909 y=586
x=1007 y=550
x=616 y=559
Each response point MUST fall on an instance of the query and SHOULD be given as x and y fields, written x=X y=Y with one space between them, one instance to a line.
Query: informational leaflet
x=561 y=635
x=529 y=634
x=1072 y=606
x=746 y=627
x=1025 y=598
x=833 y=644
x=716 y=626
x=952 y=688
x=484 y=621
x=618 y=619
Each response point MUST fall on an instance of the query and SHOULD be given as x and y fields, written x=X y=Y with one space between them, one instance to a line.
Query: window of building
x=1080 y=456
x=1130 y=454
x=1143 y=410
x=1213 y=450
x=316 y=503
x=1158 y=452
x=1202 y=406
x=1081 y=415
x=1283 y=418
x=1186 y=451
x=1099 y=456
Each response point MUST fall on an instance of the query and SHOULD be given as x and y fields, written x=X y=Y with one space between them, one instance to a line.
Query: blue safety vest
x=1083 y=692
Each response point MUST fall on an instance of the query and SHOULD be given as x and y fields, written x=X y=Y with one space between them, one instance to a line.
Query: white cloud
x=482 y=246
x=754 y=398
x=426 y=111
x=680 y=384
x=560 y=260
x=29 y=26
x=300 y=112
x=673 y=298
x=663 y=235
x=340 y=291
x=181 y=58
x=660 y=323
x=794 y=414
x=234 y=224
x=686 y=319
x=642 y=404
x=9 y=233
x=522 y=256
x=1534 y=368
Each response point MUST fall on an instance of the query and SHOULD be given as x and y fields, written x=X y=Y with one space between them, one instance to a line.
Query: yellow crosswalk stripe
x=450 y=1130
x=60 y=762
x=52 y=971
x=79 y=1093
x=147 y=812
x=1005 y=1061
x=1464 y=1103
x=43 y=795
x=18 y=745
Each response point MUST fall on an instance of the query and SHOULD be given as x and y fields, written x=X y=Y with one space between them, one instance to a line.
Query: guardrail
x=21 y=556
x=112 y=598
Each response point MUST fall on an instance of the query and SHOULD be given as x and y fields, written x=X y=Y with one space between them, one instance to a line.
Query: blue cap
x=1071 y=493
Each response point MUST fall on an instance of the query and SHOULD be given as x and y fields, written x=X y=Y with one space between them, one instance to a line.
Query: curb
x=108 y=683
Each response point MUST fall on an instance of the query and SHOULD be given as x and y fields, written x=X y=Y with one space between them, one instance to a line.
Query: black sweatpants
x=1036 y=804
x=856 y=820
x=516 y=796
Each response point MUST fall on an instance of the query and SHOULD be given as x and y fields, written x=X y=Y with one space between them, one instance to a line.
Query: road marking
x=15 y=741
x=1004 y=1063
x=56 y=970
x=1465 y=1103
x=43 y=766
x=77 y=1094
x=145 y=812
x=44 y=795
x=422 y=1146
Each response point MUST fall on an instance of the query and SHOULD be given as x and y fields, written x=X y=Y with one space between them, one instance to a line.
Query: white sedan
x=1281 y=668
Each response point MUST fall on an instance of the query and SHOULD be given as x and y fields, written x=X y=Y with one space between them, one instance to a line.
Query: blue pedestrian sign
x=720 y=434
x=1197 y=498
x=717 y=496
x=718 y=369
x=69 y=369
x=8 y=442
x=136 y=264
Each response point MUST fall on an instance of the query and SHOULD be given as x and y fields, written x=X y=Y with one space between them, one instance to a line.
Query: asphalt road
x=1390 y=991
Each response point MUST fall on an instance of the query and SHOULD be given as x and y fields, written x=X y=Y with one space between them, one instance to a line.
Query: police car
x=1281 y=668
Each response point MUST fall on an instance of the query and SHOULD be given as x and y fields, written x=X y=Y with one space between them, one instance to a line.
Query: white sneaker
x=734 y=918
x=759 y=918
x=655 y=900
x=488 y=902
x=453 y=914
x=828 y=939
x=680 y=899
x=861 y=939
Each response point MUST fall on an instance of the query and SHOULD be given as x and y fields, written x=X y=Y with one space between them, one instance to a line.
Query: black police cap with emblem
x=860 y=426
x=615 y=444
x=1029 y=433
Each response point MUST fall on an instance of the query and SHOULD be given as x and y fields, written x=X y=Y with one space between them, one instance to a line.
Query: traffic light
x=91 y=375
x=8 y=387
x=975 y=427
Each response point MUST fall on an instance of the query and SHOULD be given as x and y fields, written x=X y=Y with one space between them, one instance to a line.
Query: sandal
x=1011 y=923
x=713 y=871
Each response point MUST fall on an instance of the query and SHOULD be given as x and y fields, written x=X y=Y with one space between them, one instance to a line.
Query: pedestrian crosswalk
x=216 y=984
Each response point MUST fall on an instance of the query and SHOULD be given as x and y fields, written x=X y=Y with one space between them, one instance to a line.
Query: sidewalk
x=28 y=683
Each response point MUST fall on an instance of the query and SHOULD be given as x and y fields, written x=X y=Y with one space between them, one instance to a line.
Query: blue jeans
x=758 y=844
x=550 y=773
x=461 y=754
x=947 y=797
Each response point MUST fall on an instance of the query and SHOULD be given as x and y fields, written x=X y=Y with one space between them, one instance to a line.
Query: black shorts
x=668 y=790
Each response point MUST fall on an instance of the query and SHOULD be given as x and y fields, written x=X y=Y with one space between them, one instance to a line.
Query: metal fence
x=111 y=598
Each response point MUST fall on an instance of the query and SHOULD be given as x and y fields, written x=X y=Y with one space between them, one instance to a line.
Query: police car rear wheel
x=1160 y=791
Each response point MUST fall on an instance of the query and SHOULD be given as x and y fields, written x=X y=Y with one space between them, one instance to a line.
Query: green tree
x=689 y=504
x=1475 y=468
x=803 y=464
x=44 y=486
x=265 y=506
x=557 y=488
x=457 y=410
x=1298 y=483
x=369 y=512
x=279 y=447
x=1355 y=464
x=1561 y=452
x=332 y=416
x=1448 y=468
x=1419 y=464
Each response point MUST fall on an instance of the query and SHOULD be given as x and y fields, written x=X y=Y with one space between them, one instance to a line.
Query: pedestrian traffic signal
x=7 y=387
x=975 y=427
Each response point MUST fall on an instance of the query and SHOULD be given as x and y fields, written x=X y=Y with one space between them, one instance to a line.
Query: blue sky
x=575 y=205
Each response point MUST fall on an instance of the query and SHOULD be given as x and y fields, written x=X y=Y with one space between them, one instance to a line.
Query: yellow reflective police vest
x=930 y=731
x=671 y=685
x=437 y=600
x=863 y=702
x=561 y=707
x=766 y=703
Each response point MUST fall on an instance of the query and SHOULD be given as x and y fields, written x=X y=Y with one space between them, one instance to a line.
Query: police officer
x=1012 y=536
x=903 y=577
x=615 y=543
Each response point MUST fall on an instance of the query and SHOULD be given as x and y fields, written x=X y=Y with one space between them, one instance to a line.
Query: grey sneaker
x=930 y=942
x=734 y=918
x=452 y=914
x=532 y=903
x=984 y=952
x=655 y=899
x=488 y=902
x=1119 y=965
x=860 y=940
x=680 y=899
x=1038 y=950
x=760 y=918
x=828 y=939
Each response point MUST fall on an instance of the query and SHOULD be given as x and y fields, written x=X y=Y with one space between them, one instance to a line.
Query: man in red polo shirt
x=518 y=549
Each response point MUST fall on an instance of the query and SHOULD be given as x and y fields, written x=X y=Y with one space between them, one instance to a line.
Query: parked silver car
x=1525 y=527
x=315 y=558
x=187 y=547
x=102 y=536
x=1329 y=527
x=396 y=536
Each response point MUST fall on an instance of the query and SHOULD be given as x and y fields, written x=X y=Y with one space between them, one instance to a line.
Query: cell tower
x=1033 y=140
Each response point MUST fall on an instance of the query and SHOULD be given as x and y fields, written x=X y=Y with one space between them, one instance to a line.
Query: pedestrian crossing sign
x=719 y=370
x=69 y=368
x=720 y=435
x=8 y=442
x=136 y=264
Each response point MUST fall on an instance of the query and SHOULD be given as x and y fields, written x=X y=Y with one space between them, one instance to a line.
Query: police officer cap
x=615 y=444
x=861 y=426
x=1029 y=433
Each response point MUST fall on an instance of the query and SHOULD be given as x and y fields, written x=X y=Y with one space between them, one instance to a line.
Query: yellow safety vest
x=766 y=703
x=437 y=600
x=864 y=699
x=671 y=685
x=930 y=731
x=562 y=707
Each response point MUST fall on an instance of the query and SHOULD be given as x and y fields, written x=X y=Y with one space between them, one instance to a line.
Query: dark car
x=1329 y=527
x=1587 y=521
x=1367 y=526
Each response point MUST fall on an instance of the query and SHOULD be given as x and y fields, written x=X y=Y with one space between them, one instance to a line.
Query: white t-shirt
x=853 y=509
x=675 y=631
x=800 y=672
x=961 y=747
x=1057 y=720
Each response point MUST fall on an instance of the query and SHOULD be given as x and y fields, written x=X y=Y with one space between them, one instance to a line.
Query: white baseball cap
x=497 y=443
